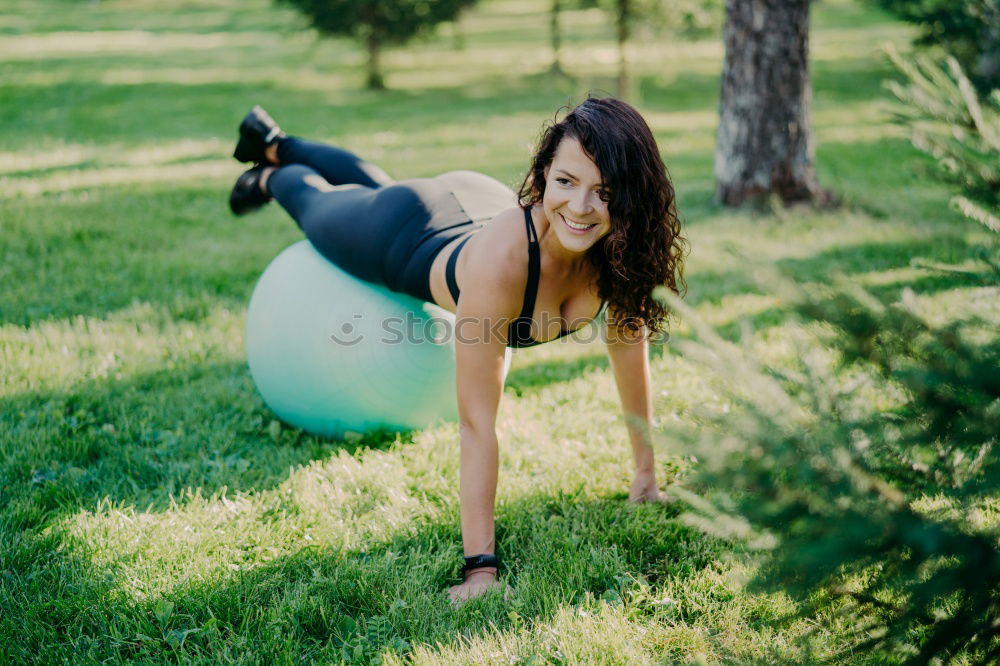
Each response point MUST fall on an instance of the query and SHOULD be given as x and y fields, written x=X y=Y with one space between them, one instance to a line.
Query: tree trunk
x=764 y=144
x=555 y=36
x=458 y=32
x=622 y=24
x=374 y=43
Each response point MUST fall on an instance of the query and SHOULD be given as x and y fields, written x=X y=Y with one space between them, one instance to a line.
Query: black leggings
x=372 y=227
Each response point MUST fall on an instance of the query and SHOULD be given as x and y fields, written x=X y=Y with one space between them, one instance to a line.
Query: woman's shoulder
x=497 y=260
x=509 y=219
x=503 y=243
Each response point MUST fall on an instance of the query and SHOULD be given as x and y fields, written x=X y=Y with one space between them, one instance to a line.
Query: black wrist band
x=480 y=561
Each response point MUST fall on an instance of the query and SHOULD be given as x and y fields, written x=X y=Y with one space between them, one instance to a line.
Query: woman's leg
x=352 y=225
x=336 y=165
x=388 y=234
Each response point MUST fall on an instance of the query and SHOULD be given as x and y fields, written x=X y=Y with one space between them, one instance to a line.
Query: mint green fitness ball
x=332 y=354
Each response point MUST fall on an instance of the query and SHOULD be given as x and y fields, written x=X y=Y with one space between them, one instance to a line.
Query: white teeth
x=580 y=227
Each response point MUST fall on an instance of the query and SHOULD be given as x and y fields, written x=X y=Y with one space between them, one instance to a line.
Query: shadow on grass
x=146 y=439
x=774 y=317
x=535 y=376
x=711 y=287
x=835 y=82
x=859 y=79
x=143 y=440
x=103 y=254
x=322 y=604
x=714 y=286
x=870 y=257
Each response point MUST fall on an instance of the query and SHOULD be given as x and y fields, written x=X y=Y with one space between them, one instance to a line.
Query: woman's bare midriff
x=574 y=308
x=439 y=285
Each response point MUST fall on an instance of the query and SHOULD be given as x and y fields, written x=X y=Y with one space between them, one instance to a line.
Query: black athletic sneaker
x=247 y=196
x=257 y=131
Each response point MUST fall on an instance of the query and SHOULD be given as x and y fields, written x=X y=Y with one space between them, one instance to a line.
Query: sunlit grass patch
x=53 y=156
x=56 y=355
x=37 y=47
x=218 y=170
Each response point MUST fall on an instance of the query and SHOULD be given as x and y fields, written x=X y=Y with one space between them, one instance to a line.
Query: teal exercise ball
x=333 y=354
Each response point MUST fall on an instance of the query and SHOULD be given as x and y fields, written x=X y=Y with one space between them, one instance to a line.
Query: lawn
x=151 y=507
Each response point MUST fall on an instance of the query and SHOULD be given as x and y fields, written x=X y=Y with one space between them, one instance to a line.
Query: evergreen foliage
x=948 y=120
x=889 y=515
x=967 y=29
x=378 y=23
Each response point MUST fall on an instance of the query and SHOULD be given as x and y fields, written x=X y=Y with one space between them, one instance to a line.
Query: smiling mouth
x=577 y=227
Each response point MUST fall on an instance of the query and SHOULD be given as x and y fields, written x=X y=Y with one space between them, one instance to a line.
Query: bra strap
x=519 y=331
x=534 y=267
x=449 y=270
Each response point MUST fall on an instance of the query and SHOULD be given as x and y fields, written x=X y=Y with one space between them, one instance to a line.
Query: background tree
x=458 y=31
x=883 y=517
x=680 y=17
x=624 y=14
x=969 y=30
x=555 y=37
x=764 y=144
x=694 y=18
x=378 y=23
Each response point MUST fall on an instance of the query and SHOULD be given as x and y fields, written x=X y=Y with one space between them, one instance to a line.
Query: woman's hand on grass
x=644 y=489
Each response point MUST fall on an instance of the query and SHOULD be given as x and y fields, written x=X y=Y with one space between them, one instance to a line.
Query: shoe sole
x=246 y=153
x=248 y=148
x=241 y=201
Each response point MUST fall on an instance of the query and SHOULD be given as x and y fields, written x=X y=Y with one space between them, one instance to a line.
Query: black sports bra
x=519 y=331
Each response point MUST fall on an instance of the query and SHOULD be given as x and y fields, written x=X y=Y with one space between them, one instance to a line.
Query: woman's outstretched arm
x=491 y=292
x=629 y=355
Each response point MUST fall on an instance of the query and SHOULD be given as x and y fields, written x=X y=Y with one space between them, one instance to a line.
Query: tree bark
x=375 y=79
x=458 y=32
x=764 y=145
x=555 y=35
x=622 y=24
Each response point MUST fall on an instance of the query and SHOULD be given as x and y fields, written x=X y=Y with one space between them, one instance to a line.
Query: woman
x=596 y=226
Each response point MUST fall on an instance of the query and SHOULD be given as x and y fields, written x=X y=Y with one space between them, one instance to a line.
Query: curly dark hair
x=644 y=248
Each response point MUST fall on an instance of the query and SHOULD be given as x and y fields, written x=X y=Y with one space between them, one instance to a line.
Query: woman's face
x=575 y=200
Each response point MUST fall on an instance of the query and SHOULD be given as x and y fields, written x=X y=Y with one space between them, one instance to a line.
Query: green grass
x=152 y=509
